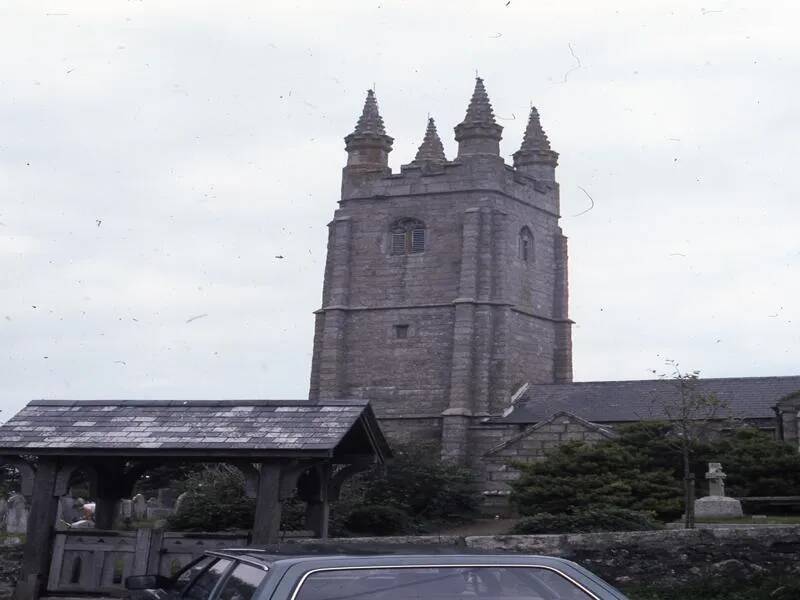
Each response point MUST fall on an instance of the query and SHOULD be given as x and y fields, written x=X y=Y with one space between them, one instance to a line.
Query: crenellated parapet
x=479 y=167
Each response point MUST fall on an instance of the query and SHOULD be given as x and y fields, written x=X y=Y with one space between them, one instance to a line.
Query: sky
x=157 y=157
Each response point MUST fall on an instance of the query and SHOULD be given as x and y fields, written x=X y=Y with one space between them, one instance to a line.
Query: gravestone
x=167 y=497
x=67 y=509
x=717 y=505
x=125 y=509
x=17 y=516
x=155 y=511
x=179 y=501
x=139 y=507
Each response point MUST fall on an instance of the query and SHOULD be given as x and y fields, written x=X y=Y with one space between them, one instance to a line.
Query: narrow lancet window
x=525 y=245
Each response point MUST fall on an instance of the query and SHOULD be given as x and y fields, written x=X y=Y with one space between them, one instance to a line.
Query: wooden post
x=104 y=512
x=317 y=505
x=39 y=542
x=154 y=553
x=267 y=525
x=110 y=490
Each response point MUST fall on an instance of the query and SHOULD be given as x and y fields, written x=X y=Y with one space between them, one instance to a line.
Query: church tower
x=445 y=284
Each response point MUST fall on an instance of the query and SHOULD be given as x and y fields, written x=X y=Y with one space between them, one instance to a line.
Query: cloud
x=156 y=157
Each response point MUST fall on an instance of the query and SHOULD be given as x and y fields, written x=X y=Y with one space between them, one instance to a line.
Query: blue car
x=248 y=574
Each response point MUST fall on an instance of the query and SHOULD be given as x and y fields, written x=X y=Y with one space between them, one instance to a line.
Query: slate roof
x=621 y=401
x=186 y=427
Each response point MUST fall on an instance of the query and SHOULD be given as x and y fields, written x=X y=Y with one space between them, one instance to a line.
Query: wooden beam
x=267 y=525
x=39 y=542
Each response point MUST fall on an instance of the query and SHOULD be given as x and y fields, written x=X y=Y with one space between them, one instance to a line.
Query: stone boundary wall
x=659 y=558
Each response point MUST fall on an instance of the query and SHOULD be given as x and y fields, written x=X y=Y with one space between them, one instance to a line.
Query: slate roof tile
x=249 y=425
x=621 y=401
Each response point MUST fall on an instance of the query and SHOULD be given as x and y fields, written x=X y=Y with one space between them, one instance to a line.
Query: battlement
x=485 y=175
x=478 y=166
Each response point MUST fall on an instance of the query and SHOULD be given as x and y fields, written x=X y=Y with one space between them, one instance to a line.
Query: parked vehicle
x=248 y=574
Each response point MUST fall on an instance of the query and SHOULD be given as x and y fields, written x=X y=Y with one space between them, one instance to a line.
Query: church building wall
x=435 y=325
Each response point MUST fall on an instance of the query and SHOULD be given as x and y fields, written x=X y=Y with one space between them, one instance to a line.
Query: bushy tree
x=414 y=491
x=174 y=475
x=377 y=519
x=692 y=414
x=9 y=481
x=642 y=469
x=756 y=463
x=215 y=501
x=579 y=476
x=427 y=488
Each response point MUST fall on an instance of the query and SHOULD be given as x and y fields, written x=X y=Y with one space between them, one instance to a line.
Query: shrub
x=418 y=482
x=579 y=476
x=215 y=501
x=587 y=521
x=756 y=464
x=429 y=491
x=378 y=519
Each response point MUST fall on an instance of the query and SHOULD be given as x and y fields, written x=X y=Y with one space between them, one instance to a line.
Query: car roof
x=339 y=555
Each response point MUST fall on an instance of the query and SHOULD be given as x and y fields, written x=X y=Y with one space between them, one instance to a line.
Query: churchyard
x=417 y=494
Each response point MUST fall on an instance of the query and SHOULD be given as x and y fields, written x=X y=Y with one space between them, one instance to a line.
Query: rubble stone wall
x=10 y=562
x=649 y=558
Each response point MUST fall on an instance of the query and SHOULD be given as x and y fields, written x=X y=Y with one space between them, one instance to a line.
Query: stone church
x=445 y=303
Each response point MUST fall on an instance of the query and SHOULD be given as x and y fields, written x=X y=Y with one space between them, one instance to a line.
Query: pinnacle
x=535 y=139
x=431 y=149
x=479 y=111
x=370 y=121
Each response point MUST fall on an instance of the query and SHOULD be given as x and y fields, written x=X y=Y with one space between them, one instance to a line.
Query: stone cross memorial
x=717 y=504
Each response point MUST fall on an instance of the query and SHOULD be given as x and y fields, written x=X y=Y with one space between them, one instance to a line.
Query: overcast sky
x=156 y=157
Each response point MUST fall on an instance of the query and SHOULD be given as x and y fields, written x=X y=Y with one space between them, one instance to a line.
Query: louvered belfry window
x=407 y=236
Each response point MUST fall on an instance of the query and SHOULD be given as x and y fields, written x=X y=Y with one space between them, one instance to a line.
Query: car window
x=440 y=583
x=242 y=583
x=205 y=583
x=184 y=577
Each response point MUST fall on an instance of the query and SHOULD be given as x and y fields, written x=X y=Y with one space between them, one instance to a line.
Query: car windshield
x=440 y=583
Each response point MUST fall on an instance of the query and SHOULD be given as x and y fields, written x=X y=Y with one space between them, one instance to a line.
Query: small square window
x=401 y=331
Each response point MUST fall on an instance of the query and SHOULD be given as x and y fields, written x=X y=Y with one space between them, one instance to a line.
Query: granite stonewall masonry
x=445 y=304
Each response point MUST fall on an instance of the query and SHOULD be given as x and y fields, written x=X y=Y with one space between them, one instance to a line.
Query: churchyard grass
x=749 y=520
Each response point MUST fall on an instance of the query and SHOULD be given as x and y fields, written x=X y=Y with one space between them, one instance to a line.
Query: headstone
x=139 y=507
x=125 y=509
x=179 y=501
x=67 y=509
x=167 y=497
x=158 y=512
x=17 y=517
x=716 y=505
